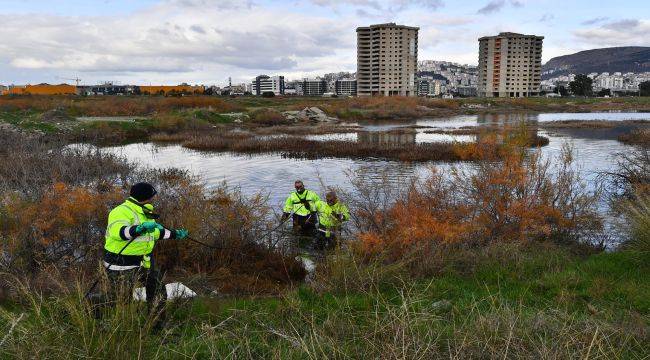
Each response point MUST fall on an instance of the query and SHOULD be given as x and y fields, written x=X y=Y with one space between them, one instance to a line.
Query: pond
x=595 y=151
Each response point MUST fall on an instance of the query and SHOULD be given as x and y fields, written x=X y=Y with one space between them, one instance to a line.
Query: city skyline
x=206 y=41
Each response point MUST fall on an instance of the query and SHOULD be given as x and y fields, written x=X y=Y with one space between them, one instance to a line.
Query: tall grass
x=116 y=105
x=300 y=148
x=497 y=313
x=638 y=216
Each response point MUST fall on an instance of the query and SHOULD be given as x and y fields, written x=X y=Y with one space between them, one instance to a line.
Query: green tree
x=561 y=90
x=644 y=88
x=582 y=85
x=604 y=92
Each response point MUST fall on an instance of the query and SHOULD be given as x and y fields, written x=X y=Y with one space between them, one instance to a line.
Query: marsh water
x=595 y=151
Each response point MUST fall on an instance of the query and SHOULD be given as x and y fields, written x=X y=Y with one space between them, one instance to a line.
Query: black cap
x=142 y=191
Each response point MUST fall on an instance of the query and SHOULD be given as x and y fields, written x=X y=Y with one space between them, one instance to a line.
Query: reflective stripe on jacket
x=301 y=204
x=121 y=223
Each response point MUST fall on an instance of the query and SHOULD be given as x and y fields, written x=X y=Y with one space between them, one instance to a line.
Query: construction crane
x=76 y=80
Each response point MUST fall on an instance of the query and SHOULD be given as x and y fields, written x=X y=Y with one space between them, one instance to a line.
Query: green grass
x=28 y=120
x=546 y=305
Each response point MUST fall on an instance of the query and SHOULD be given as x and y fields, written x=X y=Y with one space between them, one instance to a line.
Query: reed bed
x=591 y=124
x=636 y=137
x=300 y=148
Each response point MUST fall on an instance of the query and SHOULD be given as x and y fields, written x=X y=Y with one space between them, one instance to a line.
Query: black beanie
x=142 y=191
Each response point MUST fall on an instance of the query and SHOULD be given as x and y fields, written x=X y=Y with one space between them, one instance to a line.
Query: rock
x=442 y=305
x=314 y=114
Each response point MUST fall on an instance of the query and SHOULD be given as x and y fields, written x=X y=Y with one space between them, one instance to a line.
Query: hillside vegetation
x=616 y=59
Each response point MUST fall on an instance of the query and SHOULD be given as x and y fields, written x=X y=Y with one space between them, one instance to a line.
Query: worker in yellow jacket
x=300 y=204
x=331 y=216
x=131 y=235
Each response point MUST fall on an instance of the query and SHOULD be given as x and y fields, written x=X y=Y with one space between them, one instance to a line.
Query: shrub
x=637 y=214
x=54 y=204
x=268 y=117
x=516 y=199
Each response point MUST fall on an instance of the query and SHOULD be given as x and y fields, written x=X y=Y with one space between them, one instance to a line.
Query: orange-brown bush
x=518 y=198
x=54 y=204
x=115 y=105
x=268 y=117
x=60 y=228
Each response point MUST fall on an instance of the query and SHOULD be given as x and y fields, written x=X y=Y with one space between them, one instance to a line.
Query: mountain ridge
x=614 y=59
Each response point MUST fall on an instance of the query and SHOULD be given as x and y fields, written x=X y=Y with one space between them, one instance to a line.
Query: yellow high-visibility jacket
x=301 y=204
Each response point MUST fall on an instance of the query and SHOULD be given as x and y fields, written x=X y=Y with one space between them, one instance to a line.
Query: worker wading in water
x=302 y=204
x=331 y=215
x=134 y=223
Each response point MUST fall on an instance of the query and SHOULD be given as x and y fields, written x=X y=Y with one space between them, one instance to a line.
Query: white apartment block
x=510 y=65
x=266 y=84
x=387 y=57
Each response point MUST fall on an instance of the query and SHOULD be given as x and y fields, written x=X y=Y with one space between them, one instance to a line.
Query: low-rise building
x=466 y=91
x=108 y=89
x=183 y=89
x=345 y=87
x=428 y=86
x=314 y=87
x=293 y=87
x=266 y=84
x=3 y=89
x=43 y=89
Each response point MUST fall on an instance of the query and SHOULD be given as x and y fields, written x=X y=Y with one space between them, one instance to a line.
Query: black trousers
x=122 y=283
x=303 y=225
x=324 y=242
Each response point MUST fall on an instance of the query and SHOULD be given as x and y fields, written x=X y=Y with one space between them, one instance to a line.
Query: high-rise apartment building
x=387 y=57
x=510 y=65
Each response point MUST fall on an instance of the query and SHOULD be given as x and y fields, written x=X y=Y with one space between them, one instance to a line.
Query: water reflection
x=404 y=137
x=274 y=175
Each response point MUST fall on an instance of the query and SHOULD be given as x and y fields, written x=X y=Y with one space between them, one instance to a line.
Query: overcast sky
x=206 y=41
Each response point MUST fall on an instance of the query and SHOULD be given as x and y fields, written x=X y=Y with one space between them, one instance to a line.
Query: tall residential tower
x=387 y=57
x=510 y=65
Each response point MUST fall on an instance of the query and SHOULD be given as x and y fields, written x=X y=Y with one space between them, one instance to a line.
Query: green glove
x=148 y=227
x=180 y=234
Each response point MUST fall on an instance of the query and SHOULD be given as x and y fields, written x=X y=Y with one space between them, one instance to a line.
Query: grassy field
x=509 y=304
x=497 y=262
x=57 y=114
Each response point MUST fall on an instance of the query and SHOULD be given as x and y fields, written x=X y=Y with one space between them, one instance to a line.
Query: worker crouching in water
x=331 y=215
x=302 y=204
x=131 y=235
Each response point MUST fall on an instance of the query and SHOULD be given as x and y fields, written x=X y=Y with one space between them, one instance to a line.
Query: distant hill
x=623 y=59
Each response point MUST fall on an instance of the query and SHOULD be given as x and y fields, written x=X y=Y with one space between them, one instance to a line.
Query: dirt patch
x=56 y=116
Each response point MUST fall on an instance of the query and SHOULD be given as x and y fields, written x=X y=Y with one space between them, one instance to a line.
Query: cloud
x=594 y=21
x=390 y=6
x=633 y=32
x=497 y=5
x=625 y=24
x=175 y=37
x=547 y=17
